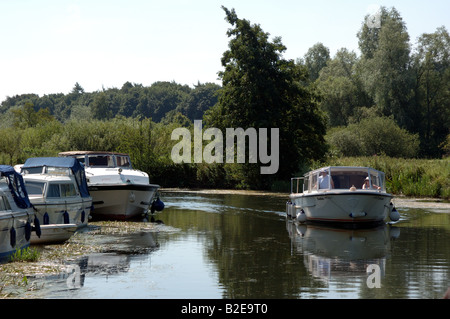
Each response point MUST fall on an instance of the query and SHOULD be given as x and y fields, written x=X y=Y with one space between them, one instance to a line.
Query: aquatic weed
x=25 y=255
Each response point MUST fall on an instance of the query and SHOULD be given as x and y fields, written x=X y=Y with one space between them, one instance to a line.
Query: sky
x=47 y=46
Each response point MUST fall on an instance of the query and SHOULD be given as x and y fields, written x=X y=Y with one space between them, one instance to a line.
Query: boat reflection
x=339 y=253
x=115 y=260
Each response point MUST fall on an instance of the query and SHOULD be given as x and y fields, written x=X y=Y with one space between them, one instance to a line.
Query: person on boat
x=325 y=181
x=366 y=184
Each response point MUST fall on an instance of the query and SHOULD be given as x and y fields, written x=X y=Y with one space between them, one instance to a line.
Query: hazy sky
x=47 y=46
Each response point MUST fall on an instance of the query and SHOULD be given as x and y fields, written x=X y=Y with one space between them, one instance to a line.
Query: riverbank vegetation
x=387 y=108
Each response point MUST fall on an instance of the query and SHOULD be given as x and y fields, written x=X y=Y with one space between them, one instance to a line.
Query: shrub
x=373 y=136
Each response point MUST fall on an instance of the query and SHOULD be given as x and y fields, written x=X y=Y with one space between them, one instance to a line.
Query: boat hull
x=9 y=243
x=121 y=201
x=360 y=207
x=77 y=209
x=54 y=233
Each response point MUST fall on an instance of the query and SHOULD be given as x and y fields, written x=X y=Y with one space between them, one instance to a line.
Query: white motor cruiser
x=341 y=194
x=16 y=213
x=58 y=190
x=118 y=191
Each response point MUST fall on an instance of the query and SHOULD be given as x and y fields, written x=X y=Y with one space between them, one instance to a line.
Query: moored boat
x=118 y=190
x=16 y=213
x=342 y=195
x=58 y=190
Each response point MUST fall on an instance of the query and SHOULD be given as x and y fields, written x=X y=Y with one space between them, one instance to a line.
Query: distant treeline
x=157 y=101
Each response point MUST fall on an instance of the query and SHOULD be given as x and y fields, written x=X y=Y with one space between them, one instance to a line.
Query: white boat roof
x=344 y=168
x=48 y=178
x=72 y=153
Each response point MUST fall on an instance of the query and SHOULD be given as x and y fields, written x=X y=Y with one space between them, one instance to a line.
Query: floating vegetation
x=121 y=227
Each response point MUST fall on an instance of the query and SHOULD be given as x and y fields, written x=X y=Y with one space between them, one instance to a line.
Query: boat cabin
x=339 y=178
x=65 y=177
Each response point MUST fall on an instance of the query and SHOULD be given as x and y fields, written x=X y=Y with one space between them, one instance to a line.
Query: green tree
x=9 y=145
x=261 y=89
x=385 y=65
x=25 y=116
x=431 y=62
x=100 y=107
x=341 y=88
x=200 y=99
x=316 y=59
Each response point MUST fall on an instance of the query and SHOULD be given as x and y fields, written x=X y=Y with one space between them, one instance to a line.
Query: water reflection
x=336 y=253
x=114 y=260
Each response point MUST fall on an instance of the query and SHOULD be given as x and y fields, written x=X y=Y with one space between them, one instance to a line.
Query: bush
x=373 y=136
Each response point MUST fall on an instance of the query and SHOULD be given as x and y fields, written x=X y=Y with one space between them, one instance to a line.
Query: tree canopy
x=261 y=89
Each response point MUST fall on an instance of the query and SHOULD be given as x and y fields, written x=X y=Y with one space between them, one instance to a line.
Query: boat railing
x=295 y=181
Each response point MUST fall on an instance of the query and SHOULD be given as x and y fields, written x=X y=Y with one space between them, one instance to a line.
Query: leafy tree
x=9 y=145
x=260 y=89
x=26 y=116
x=77 y=89
x=200 y=99
x=316 y=59
x=100 y=107
x=431 y=62
x=341 y=88
x=166 y=96
x=385 y=65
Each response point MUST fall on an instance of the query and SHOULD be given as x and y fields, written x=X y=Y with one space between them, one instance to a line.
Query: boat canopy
x=35 y=165
x=340 y=177
x=16 y=185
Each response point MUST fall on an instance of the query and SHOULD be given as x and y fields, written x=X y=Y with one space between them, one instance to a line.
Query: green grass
x=26 y=255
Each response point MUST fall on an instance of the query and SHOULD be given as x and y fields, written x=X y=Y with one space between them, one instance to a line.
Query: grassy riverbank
x=409 y=177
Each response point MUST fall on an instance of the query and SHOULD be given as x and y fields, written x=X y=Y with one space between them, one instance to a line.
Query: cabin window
x=57 y=170
x=61 y=190
x=306 y=184
x=101 y=160
x=34 y=188
x=345 y=180
x=314 y=182
x=4 y=203
x=32 y=170
x=68 y=190
x=123 y=161
x=53 y=190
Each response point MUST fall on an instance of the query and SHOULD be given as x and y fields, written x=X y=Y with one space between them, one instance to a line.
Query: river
x=219 y=244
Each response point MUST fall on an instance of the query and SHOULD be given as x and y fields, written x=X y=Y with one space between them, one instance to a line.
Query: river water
x=215 y=245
